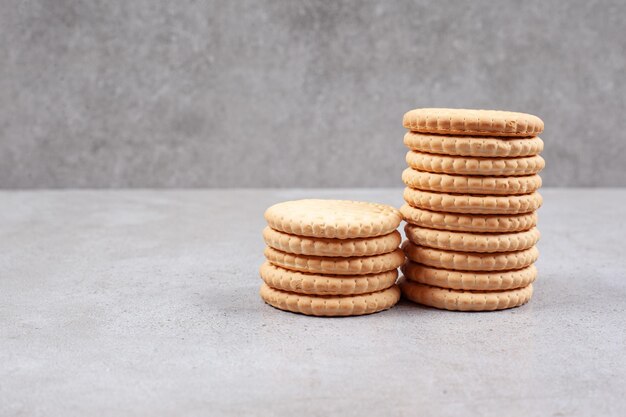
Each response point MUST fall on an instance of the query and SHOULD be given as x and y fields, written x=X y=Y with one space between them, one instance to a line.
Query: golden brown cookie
x=335 y=265
x=455 y=165
x=317 y=284
x=473 y=146
x=331 y=305
x=472 y=122
x=463 y=184
x=465 y=300
x=470 y=280
x=473 y=204
x=318 y=246
x=470 y=261
x=336 y=219
x=469 y=222
x=472 y=242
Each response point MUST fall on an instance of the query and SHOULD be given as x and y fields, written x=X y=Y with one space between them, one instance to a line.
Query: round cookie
x=446 y=164
x=472 y=122
x=463 y=184
x=336 y=219
x=473 y=146
x=471 y=204
x=335 y=265
x=331 y=305
x=470 y=261
x=471 y=242
x=469 y=280
x=299 y=282
x=316 y=246
x=482 y=223
x=447 y=299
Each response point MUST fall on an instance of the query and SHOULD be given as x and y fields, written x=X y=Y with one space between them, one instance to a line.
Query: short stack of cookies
x=331 y=257
x=471 y=199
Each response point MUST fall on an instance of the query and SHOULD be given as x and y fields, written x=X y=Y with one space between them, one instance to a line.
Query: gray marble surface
x=281 y=93
x=145 y=303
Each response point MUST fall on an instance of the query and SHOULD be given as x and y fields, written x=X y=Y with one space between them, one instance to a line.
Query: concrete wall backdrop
x=157 y=93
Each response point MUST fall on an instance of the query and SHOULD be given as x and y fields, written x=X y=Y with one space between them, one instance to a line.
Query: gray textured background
x=157 y=93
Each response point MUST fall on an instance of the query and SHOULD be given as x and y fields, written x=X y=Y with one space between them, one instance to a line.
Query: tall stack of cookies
x=331 y=257
x=471 y=207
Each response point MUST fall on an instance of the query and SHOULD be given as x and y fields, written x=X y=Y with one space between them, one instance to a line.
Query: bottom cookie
x=331 y=305
x=465 y=300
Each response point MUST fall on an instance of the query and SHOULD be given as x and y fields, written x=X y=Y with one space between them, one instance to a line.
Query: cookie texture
x=470 y=261
x=464 y=184
x=336 y=265
x=331 y=305
x=465 y=300
x=473 y=146
x=472 y=242
x=340 y=219
x=472 y=122
x=459 y=203
x=470 y=280
x=331 y=247
x=481 y=223
x=454 y=165
x=317 y=284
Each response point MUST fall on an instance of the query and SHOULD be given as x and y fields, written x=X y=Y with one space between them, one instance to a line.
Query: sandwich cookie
x=472 y=122
x=472 y=242
x=474 y=146
x=481 y=223
x=472 y=204
x=336 y=265
x=463 y=184
x=316 y=246
x=336 y=219
x=470 y=261
x=318 y=284
x=454 y=165
x=469 y=280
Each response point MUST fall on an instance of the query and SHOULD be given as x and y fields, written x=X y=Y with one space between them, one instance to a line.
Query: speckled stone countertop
x=146 y=303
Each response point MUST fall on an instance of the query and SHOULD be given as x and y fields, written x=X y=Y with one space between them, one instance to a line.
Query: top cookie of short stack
x=335 y=219
x=472 y=122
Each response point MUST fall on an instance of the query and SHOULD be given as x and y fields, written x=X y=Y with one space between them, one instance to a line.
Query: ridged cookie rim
x=470 y=261
x=472 y=242
x=481 y=146
x=483 y=166
x=361 y=265
x=316 y=246
x=473 y=204
x=470 y=184
x=461 y=222
x=342 y=218
x=476 y=122
x=319 y=284
x=458 y=300
x=469 y=280
x=351 y=305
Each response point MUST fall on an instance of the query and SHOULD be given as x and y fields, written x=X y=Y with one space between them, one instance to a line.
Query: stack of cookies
x=471 y=199
x=331 y=257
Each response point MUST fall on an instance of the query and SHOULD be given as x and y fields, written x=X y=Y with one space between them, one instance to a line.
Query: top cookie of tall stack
x=472 y=122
